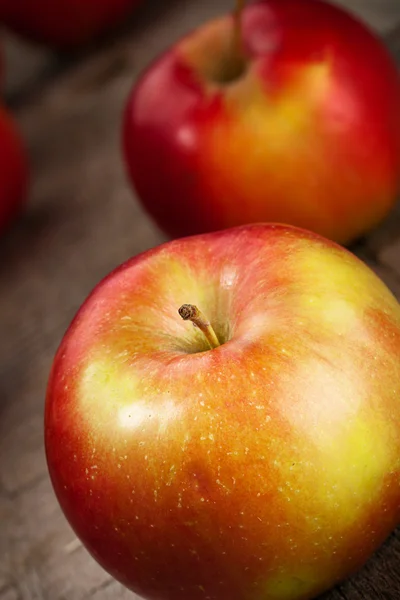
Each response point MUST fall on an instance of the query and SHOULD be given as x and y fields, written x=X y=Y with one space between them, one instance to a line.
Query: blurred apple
x=2 y=68
x=64 y=24
x=253 y=456
x=299 y=123
x=14 y=170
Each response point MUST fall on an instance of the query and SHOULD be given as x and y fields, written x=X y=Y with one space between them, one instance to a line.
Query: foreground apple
x=254 y=457
x=63 y=23
x=305 y=129
x=14 y=171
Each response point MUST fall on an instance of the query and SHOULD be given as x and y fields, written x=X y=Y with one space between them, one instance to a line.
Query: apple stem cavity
x=189 y=312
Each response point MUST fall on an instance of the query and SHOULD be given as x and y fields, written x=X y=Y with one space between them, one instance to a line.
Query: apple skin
x=14 y=174
x=266 y=469
x=2 y=69
x=309 y=136
x=64 y=24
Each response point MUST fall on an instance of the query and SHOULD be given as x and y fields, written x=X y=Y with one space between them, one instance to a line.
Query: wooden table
x=82 y=221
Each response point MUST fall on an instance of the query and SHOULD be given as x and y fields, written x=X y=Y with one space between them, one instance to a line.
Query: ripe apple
x=14 y=172
x=2 y=69
x=63 y=23
x=254 y=456
x=304 y=130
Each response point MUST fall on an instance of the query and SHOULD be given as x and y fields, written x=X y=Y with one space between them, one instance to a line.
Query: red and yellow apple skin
x=63 y=24
x=265 y=469
x=14 y=172
x=309 y=135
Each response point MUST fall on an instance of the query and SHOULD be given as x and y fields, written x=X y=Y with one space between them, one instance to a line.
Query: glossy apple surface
x=308 y=134
x=14 y=172
x=265 y=469
x=63 y=24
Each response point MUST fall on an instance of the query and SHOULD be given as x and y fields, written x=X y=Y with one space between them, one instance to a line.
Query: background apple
x=305 y=130
x=63 y=23
x=2 y=68
x=266 y=468
x=14 y=170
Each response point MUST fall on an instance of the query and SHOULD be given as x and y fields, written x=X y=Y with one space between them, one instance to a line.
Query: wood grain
x=82 y=221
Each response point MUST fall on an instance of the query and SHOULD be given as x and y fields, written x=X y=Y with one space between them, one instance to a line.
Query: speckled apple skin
x=265 y=469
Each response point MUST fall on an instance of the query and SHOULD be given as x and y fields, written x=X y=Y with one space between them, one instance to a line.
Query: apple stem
x=189 y=312
x=237 y=40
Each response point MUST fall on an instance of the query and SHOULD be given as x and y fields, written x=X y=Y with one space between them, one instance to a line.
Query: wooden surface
x=83 y=220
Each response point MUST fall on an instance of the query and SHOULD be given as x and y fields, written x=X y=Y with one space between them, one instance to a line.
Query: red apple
x=265 y=468
x=2 y=69
x=306 y=131
x=63 y=23
x=14 y=170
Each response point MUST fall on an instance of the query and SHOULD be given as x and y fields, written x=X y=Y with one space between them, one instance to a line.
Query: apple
x=14 y=172
x=253 y=455
x=300 y=126
x=64 y=24
x=2 y=69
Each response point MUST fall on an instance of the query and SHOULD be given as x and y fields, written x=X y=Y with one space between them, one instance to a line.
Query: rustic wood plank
x=381 y=15
x=26 y=65
x=112 y=591
x=389 y=254
x=44 y=559
x=30 y=66
x=7 y=517
x=392 y=39
x=383 y=241
x=9 y=594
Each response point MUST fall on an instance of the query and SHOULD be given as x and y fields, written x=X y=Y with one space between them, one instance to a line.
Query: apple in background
x=300 y=124
x=64 y=24
x=14 y=172
x=2 y=69
x=253 y=456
